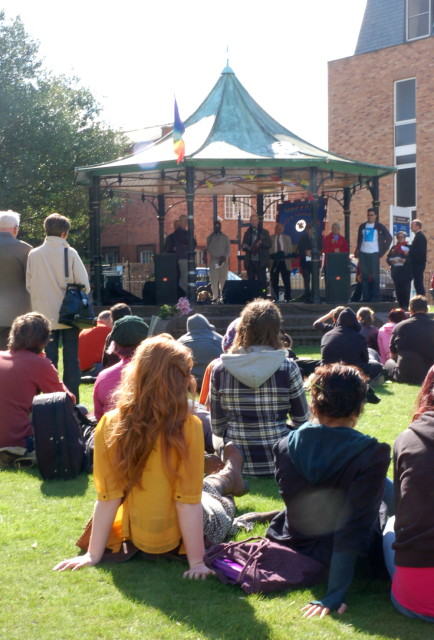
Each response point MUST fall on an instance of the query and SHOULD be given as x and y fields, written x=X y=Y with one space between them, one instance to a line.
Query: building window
x=246 y=205
x=405 y=143
x=145 y=253
x=418 y=19
x=110 y=255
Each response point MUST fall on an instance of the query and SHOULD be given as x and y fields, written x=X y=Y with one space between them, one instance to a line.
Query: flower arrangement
x=182 y=307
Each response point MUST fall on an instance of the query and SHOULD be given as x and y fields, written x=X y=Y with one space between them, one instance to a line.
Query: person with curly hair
x=331 y=478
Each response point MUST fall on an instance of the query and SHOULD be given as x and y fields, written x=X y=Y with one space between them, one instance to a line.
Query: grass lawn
x=40 y=520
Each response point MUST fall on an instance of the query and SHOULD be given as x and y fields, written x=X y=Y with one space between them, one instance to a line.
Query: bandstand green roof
x=235 y=147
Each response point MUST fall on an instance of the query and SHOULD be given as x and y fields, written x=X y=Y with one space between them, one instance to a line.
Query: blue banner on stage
x=295 y=215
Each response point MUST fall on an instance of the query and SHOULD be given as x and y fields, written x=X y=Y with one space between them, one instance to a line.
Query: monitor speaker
x=166 y=278
x=338 y=277
x=242 y=291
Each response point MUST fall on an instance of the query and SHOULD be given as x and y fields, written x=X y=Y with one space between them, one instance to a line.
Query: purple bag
x=259 y=565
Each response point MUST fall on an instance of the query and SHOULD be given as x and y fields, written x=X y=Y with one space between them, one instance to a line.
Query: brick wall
x=361 y=124
x=136 y=224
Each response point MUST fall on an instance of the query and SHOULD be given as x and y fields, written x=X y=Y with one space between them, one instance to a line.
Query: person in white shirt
x=218 y=249
x=373 y=240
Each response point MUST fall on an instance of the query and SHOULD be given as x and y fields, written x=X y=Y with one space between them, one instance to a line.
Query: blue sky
x=135 y=56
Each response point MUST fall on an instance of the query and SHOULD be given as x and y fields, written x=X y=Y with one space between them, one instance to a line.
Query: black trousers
x=417 y=272
x=402 y=280
x=279 y=269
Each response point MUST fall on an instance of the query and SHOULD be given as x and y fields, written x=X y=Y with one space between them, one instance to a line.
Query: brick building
x=381 y=109
x=134 y=234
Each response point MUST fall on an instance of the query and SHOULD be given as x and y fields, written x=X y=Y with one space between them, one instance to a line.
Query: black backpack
x=59 y=442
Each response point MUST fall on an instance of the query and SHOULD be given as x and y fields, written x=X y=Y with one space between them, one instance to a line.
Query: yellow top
x=148 y=515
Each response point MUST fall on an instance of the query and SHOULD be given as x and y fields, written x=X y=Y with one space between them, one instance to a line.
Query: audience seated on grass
x=409 y=536
x=25 y=372
x=117 y=311
x=412 y=345
x=91 y=344
x=203 y=341
x=368 y=330
x=331 y=479
x=148 y=466
x=344 y=343
x=385 y=332
x=255 y=386
x=328 y=321
x=126 y=335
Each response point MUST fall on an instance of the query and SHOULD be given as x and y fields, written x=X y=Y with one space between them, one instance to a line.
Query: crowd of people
x=166 y=470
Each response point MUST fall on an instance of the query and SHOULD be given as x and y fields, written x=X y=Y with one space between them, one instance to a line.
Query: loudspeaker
x=338 y=277
x=242 y=291
x=166 y=278
x=148 y=293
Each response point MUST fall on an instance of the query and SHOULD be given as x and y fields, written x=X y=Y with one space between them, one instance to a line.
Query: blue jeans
x=389 y=558
x=71 y=365
x=370 y=271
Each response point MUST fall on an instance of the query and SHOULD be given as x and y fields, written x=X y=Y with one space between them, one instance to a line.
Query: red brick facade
x=361 y=124
x=136 y=225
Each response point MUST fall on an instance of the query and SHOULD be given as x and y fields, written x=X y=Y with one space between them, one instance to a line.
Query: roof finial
x=227 y=55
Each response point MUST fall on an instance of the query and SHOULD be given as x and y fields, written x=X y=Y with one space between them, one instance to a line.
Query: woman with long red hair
x=148 y=463
x=409 y=536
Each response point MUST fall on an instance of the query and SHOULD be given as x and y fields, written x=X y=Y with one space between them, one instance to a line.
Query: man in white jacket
x=46 y=283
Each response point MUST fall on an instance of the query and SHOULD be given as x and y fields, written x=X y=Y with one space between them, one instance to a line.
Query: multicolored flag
x=178 y=130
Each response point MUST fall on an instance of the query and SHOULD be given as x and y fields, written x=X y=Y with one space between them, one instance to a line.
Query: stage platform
x=298 y=317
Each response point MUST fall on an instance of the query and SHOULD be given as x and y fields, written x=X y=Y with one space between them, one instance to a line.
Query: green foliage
x=167 y=311
x=48 y=126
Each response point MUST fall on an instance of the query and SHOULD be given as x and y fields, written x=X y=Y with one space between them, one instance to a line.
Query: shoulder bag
x=77 y=308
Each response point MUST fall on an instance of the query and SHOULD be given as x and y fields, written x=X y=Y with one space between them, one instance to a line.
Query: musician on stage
x=218 y=250
x=256 y=243
x=280 y=265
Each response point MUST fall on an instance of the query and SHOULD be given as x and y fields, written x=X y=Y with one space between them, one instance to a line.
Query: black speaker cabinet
x=338 y=277
x=166 y=278
x=148 y=293
x=242 y=291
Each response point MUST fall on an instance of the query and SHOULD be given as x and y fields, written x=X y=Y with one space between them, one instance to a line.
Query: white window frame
x=404 y=150
x=247 y=205
x=407 y=17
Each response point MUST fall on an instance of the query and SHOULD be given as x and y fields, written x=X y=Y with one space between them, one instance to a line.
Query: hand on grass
x=198 y=572
x=75 y=563
x=312 y=610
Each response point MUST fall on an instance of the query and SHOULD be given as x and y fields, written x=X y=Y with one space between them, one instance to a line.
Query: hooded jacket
x=344 y=343
x=331 y=481
x=203 y=341
x=252 y=393
x=414 y=494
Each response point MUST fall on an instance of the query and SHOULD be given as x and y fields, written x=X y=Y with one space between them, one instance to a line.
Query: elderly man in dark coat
x=14 y=297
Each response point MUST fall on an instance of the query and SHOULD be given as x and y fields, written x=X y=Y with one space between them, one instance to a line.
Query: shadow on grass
x=372 y=612
x=65 y=488
x=220 y=612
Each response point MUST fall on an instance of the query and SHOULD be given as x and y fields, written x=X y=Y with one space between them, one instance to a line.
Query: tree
x=48 y=126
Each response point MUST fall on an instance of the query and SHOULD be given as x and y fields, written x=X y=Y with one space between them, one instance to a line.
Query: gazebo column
x=191 y=294
x=95 y=246
x=214 y=208
x=347 y=213
x=160 y=218
x=315 y=244
x=375 y=192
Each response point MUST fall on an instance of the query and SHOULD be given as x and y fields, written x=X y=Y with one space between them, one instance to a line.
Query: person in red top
x=334 y=242
x=25 y=372
x=91 y=343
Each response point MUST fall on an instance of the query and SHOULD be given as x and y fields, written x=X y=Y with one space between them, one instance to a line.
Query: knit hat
x=229 y=336
x=129 y=331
